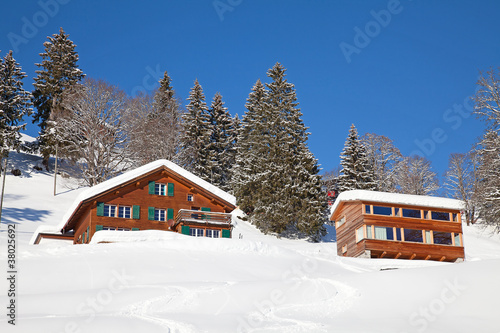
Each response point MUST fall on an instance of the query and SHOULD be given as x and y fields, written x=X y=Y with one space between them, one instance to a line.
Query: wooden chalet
x=374 y=224
x=157 y=196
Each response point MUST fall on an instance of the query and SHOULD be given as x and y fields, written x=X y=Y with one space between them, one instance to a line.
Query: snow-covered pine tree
x=153 y=124
x=196 y=134
x=221 y=148
x=290 y=201
x=59 y=71
x=251 y=150
x=357 y=173
x=15 y=103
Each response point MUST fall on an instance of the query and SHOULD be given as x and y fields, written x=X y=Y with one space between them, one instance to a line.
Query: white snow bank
x=397 y=198
x=129 y=175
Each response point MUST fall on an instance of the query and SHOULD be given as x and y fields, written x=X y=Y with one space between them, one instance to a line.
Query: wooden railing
x=197 y=216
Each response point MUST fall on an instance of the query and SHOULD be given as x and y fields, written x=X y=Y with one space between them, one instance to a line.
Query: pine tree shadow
x=19 y=215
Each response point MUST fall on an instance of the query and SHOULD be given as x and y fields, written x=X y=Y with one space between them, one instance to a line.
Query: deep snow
x=166 y=282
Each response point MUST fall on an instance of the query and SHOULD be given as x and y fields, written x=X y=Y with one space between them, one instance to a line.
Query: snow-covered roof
x=397 y=198
x=130 y=175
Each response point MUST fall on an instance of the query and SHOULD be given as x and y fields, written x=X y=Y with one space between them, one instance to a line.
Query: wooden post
x=3 y=187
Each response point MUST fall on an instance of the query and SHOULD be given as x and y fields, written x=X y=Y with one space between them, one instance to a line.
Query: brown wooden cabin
x=374 y=224
x=156 y=196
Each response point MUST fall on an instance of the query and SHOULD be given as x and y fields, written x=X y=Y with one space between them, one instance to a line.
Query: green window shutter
x=83 y=237
x=136 y=212
x=170 y=189
x=98 y=227
x=100 y=209
x=185 y=230
x=88 y=234
x=151 y=213
x=170 y=214
x=151 y=186
x=205 y=209
x=226 y=233
x=135 y=229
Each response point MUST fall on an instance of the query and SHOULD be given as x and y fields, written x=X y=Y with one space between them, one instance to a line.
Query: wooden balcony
x=186 y=216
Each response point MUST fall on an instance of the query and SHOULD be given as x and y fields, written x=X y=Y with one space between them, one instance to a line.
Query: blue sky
x=404 y=69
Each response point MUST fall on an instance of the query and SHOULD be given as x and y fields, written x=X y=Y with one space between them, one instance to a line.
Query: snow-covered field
x=166 y=282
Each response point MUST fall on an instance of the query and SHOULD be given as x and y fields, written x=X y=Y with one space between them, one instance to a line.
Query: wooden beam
x=428 y=257
x=398 y=255
x=413 y=256
x=383 y=254
x=117 y=192
x=442 y=258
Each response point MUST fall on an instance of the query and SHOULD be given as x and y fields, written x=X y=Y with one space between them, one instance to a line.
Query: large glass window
x=379 y=210
x=457 y=240
x=411 y=213
x=443 y=238
x=442 y=216
x=369 y=232
x=367 y=209
x=384 y=233
x=412 y=235
x=341 y=221
x=428 y=238
x=398 y=234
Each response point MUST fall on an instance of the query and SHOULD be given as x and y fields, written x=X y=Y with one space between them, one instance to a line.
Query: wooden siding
x=137 y=193
x=355 y=217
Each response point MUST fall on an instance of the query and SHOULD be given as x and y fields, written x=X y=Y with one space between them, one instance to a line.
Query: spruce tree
x=154 y=124
x=221 y=148
x=357 y=171
x=287 y=197
x=59 y=71
x=15 y=103
x=196 y=135
x=251 y=150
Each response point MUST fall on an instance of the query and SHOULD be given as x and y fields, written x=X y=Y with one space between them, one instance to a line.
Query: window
x=159 y=214
x=341 y=221
x=196 y=232
x=160 y=189
x=384 y=233
x=212 y=233
x=109 y=228
x=412 y=235
x=442 y=238
x=454 y=217
x=369 y=231
x=411 y=213
x=359 y=234
x=109 y=210
x=124 y=212
x=367 y=209
x=396 y=212
x=428 y=238
x=442 y=216
x=379 y=210
x=190 y=198
x=344 y=249
x=457 y=240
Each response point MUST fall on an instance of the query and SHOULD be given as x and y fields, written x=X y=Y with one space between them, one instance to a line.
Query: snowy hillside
x=165 y=282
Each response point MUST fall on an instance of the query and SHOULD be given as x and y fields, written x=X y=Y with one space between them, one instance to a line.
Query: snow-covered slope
x=164 y=282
